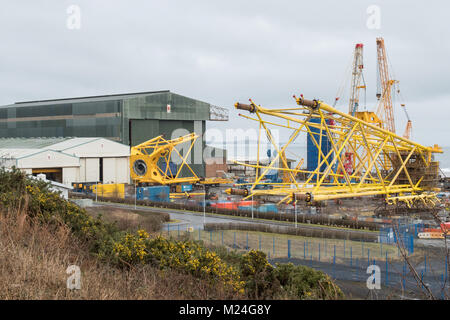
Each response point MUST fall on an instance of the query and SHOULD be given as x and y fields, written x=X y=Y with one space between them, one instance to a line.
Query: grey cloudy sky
x=227 y=51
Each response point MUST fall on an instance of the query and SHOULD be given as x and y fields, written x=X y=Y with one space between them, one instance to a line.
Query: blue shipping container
x=156 y=193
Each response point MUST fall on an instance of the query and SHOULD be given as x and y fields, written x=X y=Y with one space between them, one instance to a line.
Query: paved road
x=197 y=219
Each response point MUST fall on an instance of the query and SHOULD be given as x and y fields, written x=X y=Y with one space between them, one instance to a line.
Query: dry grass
x=34 y=259
x=130 y=220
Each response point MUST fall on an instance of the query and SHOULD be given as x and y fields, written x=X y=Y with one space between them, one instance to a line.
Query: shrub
x=187 y=256
x=259 y=275
x=19 y=193
x=306 y=283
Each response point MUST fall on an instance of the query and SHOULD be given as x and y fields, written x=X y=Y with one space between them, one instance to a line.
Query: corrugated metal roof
x=59 y=144
x=74 y=142
x=86 y=99
x=16 y=153
x=30 y=143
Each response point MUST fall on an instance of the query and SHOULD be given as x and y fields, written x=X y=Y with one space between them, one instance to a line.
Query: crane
x=408 y=128
x=357 y=83
x=152 y=162
x=385 y=110
x=357 y=79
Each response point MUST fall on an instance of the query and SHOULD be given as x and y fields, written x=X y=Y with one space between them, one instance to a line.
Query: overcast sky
x=227 y=51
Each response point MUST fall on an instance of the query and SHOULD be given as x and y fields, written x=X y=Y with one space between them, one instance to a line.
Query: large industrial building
x=126 y=118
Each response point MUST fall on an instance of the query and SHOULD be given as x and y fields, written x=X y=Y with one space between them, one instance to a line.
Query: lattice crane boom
x=385 y=110
x=411 y=178
x=357 y=79
x=150 y=161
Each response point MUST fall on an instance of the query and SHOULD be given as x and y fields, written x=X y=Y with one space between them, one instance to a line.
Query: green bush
x=20 y=193
x=258 y=273
x=306 y=283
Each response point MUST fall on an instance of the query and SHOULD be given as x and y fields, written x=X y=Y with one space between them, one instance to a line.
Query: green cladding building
x=127 y=118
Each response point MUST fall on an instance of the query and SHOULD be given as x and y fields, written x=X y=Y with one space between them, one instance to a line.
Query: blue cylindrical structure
x=312 y=154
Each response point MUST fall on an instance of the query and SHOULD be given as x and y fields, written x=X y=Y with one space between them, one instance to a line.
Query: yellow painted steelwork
x=150 y=162
x=112 y=190
x=385 y=163
x=147 y=159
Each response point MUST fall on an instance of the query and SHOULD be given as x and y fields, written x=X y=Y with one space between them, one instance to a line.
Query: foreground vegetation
x=42 y=234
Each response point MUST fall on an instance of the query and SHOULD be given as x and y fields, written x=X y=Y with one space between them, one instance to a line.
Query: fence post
x=168 y=230
x=351 y=257
x=411 y=244
x=304 y=250
x=307 y=247
x=199 y=235
x=260 y=242
x=326 y=248
x=289 y=248
x=368 y=257
x=222 y=238
x=234 y=240
x=178 y=231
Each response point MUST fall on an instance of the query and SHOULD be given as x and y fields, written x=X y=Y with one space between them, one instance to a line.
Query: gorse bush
x=249 y=273
x=106 y=241
x=306 y=283
x=259 y=276
x=187 y=256
x=263 y=281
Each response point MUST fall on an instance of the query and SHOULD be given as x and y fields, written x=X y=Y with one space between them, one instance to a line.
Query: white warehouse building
x=68 y=160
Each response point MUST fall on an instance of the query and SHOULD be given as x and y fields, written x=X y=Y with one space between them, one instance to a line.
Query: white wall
x=116 y=170
x=123 y=170
x=82 y=172
x=109 y=170
x=70 y=175
x=92 y=169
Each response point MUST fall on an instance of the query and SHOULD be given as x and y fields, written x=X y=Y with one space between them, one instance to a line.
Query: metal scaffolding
x=384 y=163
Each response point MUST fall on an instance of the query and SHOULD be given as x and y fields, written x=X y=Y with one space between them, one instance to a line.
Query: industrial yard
x=289 y=161
x=364 y=194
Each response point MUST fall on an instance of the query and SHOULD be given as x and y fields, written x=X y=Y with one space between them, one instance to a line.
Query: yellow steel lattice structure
x=150 y=162
x=384 y=163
